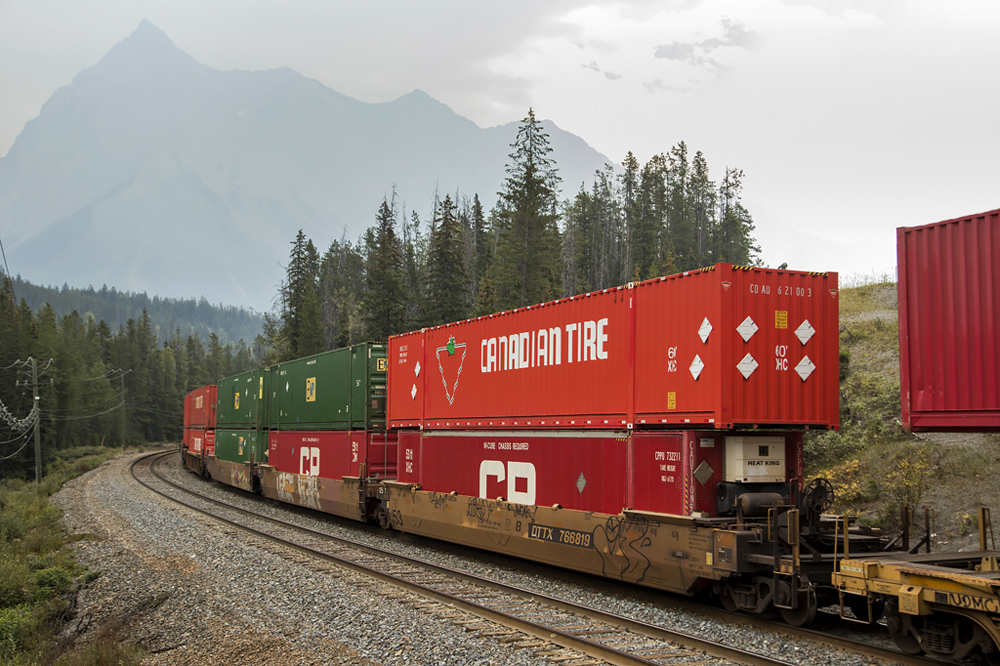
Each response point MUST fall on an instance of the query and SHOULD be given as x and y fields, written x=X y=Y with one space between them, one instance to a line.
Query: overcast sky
x=848 y=118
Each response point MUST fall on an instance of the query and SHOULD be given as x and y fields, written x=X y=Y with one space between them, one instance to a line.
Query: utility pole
x=38 y=421
x=123 y=408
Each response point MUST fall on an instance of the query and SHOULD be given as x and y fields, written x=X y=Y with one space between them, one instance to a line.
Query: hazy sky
x=848 y=118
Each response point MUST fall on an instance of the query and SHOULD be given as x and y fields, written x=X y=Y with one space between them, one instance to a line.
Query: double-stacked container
x=638 y=396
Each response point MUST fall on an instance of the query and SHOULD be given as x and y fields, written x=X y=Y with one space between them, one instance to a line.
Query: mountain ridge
x=154 y=172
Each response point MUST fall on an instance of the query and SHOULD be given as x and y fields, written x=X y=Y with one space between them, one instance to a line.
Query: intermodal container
x=241 y=446
x=722 y=347
x=676 y=472
x=342 y=389
x=949 y=324
x=242 y=401
x=200 y=406
x=334 y=454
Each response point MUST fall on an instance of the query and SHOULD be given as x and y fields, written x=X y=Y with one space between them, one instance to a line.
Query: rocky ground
x=192 y=592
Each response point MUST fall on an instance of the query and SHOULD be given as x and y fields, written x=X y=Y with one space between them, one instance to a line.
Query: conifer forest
x=96 y=385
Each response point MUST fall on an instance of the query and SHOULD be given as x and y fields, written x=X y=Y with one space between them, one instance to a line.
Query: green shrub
x=51 y=582
x=17 y=626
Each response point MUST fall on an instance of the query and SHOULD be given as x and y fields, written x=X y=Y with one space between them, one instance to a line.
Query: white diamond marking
x=747 y=366
x=705 y=330
x=696 y=367
x=746 y=329
x=416 y=369
x=413 y=392
x=805 y=331
x=805 y=368
x=581 y=483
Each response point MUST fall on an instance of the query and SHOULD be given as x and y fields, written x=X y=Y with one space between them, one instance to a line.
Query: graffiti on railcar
x=481 y=513
x=242 y=478
x=620 y=542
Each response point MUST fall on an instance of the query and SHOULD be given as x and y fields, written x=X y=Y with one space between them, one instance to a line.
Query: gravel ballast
x=192 y=591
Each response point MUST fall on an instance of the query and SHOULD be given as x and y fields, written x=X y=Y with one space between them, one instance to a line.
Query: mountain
x=155 y=173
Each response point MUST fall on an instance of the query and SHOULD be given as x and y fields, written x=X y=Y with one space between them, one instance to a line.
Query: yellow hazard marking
x=237 y=402
x=708 y=558
x=671 y=400
x=261 y=388
x=381 y=365
x=311 y=389
x=781 y=318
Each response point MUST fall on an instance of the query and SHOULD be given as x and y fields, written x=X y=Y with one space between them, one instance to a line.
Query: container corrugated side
x=341 y=389
x=242 y=400
x=241 y=446
x=733 y=346
x=949 y=324
x=765 y=341
x=563 y=364
x=200 y=407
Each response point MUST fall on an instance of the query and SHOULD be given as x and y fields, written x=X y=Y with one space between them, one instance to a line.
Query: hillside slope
x=876 y=468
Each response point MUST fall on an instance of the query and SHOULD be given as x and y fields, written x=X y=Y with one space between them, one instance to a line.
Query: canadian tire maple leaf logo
x=450 y=364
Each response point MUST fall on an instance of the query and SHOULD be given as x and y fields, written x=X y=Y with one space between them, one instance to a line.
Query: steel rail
x=550 y=634
x=547 y=633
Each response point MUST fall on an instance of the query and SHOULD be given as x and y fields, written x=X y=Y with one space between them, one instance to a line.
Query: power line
x=23 y=434
x=26 y=440
x=110 y=374
x=88 y=416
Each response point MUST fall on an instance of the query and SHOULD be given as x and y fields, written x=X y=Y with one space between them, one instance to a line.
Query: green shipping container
x=243 y=400
x=241 y=446
x=343 y=389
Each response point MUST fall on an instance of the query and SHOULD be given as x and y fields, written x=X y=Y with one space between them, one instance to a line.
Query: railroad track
x=556 y=630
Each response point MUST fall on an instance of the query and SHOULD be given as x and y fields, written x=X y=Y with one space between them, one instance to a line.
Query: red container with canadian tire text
x=200 y=407
x=722 y=347
x=949 y=324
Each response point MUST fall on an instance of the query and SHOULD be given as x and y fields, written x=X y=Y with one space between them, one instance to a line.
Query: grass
x=38 y=574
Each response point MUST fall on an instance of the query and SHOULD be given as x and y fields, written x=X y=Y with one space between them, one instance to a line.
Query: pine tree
x=733 y=241
x=384 y=309
x=447 y=279
x=527 y=261
x=301 y=319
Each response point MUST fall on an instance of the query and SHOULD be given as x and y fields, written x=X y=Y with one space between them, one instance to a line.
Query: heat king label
x=755 y=459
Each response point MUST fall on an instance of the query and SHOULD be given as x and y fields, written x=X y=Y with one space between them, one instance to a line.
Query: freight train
x=650 y=433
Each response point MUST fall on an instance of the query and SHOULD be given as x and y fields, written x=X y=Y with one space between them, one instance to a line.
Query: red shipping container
x=200 y=407
x=197 y=440
x=333 y=454
x=605 y=472
x=719 y=347
x=949 y=324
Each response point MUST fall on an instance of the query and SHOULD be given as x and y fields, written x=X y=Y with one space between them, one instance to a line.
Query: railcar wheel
x=726 y=598
x=903 y=635
x=805 y=613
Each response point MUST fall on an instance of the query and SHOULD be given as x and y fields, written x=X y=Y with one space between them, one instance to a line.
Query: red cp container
x=720 y=347
x=200 y=407
x=949 y=328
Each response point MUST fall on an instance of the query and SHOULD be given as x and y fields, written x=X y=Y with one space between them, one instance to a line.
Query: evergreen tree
x=414 y=265
x=527 y=261
x=733 y=241
x=301 y=319
x=701 y=203
x=447 y=280
x=384 y=310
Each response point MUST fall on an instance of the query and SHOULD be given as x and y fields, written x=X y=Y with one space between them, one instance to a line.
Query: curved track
x=554 y=629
